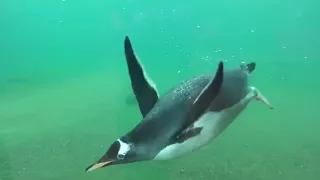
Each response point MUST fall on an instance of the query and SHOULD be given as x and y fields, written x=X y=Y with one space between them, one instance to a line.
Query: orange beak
x=98 y=165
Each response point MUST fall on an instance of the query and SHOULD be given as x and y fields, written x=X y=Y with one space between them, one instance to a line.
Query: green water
x=64 y=85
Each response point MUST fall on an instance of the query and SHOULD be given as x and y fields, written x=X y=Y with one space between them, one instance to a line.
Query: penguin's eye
x=120 y=156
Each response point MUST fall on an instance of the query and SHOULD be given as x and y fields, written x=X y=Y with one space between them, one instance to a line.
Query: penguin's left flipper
x=144 y=89
x=200 y=105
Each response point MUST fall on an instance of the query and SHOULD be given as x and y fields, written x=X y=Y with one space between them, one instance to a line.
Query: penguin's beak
x=99 y=165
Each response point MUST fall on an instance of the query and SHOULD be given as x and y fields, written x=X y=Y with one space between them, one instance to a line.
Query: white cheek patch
x=124 y=148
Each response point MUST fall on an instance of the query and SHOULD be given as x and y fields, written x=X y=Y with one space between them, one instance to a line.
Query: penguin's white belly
x=213 y=123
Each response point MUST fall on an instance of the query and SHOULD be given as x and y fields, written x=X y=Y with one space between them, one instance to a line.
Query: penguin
x=186 y=118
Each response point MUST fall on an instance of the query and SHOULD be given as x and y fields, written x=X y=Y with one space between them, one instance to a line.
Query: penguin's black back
x=166 y=117
x=169 y=113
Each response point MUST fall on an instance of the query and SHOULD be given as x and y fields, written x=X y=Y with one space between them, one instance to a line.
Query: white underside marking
x=206 y=87
x=213 y=124
x=149 y=80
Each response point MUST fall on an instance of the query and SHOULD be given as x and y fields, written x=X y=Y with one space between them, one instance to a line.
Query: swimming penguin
x=186 y=118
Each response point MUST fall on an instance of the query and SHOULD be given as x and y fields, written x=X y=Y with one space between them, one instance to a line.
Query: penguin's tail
x=250 y=67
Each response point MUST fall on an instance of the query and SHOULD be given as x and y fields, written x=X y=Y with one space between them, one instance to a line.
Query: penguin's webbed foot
x=260 y=97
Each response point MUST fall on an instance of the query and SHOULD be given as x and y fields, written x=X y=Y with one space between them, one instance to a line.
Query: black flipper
x=208 y=94
x=200 y=105
x=143 y=88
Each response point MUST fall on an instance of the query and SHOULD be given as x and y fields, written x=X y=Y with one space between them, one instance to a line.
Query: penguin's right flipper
x=208 y=94
x=144 y=89
x=201 y=104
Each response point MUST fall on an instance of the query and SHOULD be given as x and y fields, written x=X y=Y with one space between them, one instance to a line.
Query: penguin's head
x=119 y=152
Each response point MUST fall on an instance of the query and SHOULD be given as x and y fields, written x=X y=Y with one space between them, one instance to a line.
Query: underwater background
x=65 y=93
